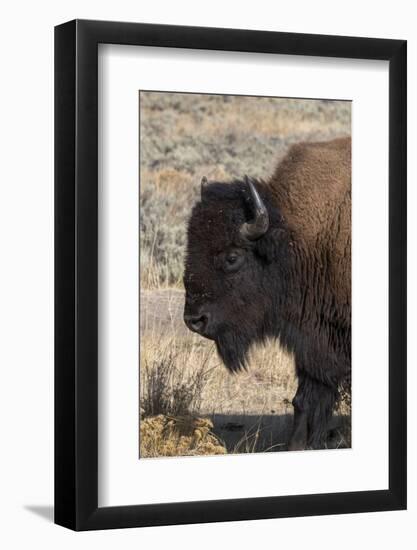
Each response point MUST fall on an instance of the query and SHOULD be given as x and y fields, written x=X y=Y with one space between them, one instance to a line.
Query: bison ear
x=272 y=245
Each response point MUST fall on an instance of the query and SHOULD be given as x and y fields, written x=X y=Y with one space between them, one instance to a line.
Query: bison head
x=236 y=245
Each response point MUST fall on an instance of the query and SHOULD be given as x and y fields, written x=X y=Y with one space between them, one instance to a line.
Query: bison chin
x=233 y=348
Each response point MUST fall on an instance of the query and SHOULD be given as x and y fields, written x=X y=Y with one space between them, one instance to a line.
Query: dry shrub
x=168 y=389
x=180 y=116
x=178 y=436
x=173 y=377
x=164 y=204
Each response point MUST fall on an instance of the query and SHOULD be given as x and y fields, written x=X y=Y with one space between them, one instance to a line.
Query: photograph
x=245 y=274
x=209 y=259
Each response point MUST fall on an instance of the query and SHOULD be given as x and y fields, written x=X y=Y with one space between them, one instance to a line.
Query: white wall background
x=26 y=275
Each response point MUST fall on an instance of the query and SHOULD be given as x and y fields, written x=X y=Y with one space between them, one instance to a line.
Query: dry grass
x=166 y=387
x=185 y=376
x=178 y=436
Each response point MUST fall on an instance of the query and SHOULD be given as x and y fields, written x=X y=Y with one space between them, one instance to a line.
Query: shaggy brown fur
x=312 y=187
x=293 y=283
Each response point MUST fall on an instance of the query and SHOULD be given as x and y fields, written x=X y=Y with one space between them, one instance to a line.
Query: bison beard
x=233 y=347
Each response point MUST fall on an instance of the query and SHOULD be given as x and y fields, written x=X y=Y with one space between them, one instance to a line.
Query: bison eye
x=233 y=261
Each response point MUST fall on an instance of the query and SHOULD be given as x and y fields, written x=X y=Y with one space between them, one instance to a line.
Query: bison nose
x=197 y=323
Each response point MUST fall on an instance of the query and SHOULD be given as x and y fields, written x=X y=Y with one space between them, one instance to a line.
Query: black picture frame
x=76 y=272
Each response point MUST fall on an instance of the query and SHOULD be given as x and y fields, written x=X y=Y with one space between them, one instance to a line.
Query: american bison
x=273 y=259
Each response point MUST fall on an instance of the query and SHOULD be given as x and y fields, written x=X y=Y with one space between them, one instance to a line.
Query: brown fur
x=312 y=187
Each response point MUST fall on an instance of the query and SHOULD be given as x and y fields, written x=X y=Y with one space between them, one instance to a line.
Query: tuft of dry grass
x=168 y=389
x=178 y=436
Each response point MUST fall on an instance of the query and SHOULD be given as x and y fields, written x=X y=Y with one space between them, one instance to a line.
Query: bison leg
x=298 y=441
x=313 y=408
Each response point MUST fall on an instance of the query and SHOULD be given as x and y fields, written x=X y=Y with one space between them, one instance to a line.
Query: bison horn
x=259 y=226
x=204 y=183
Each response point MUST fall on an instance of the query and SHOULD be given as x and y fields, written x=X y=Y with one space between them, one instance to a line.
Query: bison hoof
x=297 y=445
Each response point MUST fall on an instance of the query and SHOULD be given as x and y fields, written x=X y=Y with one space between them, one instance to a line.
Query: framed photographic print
x=230 y=337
